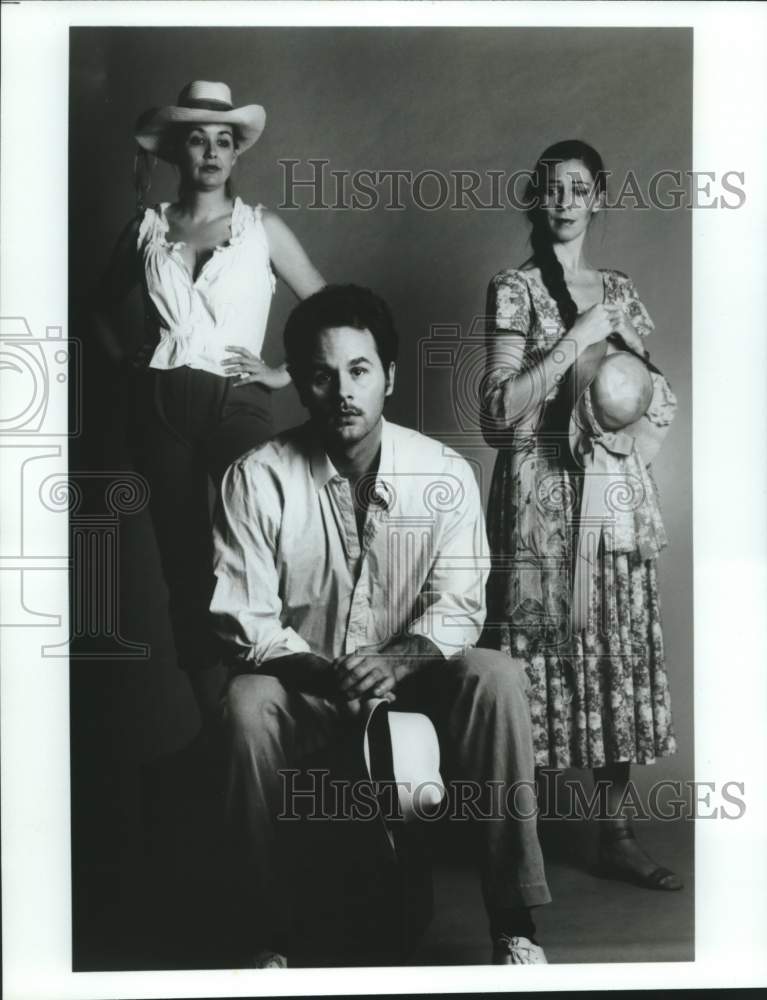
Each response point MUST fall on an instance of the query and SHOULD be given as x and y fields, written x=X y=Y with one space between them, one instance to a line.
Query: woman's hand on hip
x=247 y=368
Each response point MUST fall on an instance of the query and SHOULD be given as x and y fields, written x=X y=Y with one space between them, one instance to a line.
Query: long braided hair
x=540 y=237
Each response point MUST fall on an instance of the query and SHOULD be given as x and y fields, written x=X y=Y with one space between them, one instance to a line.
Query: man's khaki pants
x=478 y=704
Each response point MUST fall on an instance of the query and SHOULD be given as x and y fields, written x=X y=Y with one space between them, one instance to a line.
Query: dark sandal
x=659 y=878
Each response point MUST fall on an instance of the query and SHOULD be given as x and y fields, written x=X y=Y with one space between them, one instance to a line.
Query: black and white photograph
x=379 y=535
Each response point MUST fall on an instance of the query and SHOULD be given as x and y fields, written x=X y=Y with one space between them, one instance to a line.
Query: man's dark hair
x=333 y=306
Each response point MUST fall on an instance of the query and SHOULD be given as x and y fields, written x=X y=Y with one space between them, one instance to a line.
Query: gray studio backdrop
x=392 y=99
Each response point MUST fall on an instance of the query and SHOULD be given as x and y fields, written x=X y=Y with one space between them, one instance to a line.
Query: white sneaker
x=517 y=951
x=268 y=960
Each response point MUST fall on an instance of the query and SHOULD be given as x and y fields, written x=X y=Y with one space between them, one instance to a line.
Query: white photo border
x=729 y=479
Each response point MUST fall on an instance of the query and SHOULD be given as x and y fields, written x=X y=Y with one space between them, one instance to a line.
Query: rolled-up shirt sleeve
x=451 y=603
x=246 y=605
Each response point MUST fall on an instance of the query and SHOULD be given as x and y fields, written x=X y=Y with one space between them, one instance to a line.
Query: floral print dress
x=599 y=694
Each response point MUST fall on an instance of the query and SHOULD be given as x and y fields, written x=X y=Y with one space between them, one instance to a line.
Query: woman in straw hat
x=577 y=414
x=207 y=264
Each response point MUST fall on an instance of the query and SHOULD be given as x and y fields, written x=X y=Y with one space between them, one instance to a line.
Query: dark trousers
x=188 y=426
x=478 y=704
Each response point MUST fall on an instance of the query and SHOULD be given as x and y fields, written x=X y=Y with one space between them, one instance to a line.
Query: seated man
x=326 y=601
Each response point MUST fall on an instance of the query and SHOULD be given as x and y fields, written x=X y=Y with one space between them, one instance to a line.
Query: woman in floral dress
x=599 y=691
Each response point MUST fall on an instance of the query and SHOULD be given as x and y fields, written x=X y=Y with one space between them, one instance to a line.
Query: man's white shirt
x=293 y=577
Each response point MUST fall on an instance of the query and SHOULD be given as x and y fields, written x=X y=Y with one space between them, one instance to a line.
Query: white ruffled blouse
x=227 y=304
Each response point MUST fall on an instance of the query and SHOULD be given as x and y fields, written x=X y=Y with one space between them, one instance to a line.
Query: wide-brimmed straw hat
x=200 y=102
x=613 y=393
x=401 y=750
x=610 y=426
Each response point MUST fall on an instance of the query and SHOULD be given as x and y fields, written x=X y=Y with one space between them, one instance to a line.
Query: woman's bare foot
x=622 y=857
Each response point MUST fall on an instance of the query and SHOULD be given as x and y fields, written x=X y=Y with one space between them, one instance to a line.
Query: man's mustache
x=347 y=411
